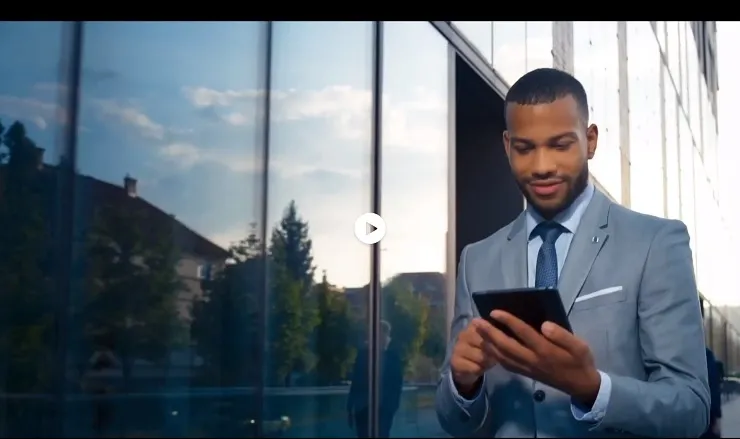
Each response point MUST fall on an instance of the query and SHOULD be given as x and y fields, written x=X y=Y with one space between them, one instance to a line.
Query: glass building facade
x=177 y=203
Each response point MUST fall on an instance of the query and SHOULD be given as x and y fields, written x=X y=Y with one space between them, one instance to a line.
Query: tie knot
x=549 y=231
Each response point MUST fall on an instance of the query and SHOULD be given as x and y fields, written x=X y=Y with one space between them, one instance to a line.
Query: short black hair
x=546 y=85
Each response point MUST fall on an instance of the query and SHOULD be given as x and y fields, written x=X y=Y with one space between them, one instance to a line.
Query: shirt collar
x=568 y=218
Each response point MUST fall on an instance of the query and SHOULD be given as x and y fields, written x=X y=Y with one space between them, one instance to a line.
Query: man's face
x=549 y=147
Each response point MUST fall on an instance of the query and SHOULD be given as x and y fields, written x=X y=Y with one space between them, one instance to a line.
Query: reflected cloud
x=131 y=116
x=28 y=109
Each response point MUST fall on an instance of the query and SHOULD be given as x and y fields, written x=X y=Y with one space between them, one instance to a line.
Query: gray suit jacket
x=647 y=335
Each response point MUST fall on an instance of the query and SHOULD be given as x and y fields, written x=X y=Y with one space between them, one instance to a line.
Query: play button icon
x=369 y=228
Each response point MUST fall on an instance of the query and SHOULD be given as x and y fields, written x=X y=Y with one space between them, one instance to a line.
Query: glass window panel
x=686 y=160
x=660 y=33
x=414 y=252
x=168 y=275
x=33 y=117
x=480 y=34
x=674 y=61
x=673 y=180
x=646 y=155
x=539 y=44
x=694 y=103
x=684 y=63
x=319 y=183
x=604 y=102
x=509 y=49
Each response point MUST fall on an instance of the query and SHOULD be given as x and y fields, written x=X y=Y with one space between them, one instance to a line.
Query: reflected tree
x=334 y=334
x=225 y=320
x=408 y=314
x=292 y=314
x=132 y=285
x=25 y=264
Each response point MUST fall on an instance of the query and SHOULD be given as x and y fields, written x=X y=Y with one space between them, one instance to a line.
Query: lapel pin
x=595 y=239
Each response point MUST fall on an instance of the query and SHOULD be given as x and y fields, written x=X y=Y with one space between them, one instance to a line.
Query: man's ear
x=592 y=140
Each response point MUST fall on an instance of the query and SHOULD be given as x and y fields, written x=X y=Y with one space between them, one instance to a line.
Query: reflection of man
x=104 y=367
x=635 y=365
x=391 y=374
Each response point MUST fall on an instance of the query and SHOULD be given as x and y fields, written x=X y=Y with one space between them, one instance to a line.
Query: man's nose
x=544 y=165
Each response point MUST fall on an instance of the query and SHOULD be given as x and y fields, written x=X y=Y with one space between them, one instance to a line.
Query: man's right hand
x=472 y=356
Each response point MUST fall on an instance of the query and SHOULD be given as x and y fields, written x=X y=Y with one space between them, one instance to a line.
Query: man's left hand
x=556 y=357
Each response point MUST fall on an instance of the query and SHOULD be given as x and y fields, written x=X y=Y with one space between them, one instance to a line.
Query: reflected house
x=198 y=257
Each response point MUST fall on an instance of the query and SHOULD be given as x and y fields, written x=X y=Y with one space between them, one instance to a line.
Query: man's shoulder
x=627 y=221
x=493 y=240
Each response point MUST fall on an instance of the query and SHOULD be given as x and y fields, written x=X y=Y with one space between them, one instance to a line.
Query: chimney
x=39 y=157
x=129 y=184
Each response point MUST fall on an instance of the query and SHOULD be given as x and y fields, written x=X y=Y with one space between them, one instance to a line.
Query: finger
x=473 y=354
x=507 y=347
x=525 y=333
x=466 y=366
x=511 y=364
x=562 y=338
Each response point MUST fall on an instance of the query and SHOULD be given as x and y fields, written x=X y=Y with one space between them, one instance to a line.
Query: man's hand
x=556 y=357
x=472 y=355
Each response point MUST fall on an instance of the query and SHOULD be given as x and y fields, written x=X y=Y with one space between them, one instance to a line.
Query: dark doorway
x=487 y=197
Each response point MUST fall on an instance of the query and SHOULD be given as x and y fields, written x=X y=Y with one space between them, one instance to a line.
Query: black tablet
x=533 y=306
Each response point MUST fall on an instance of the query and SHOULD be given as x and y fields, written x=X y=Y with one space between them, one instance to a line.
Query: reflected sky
x=176 y=105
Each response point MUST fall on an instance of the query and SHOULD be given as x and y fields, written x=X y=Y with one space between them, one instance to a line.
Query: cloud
x=345 y=108
x=132 y=117
x=187 y=155
x=33 y=110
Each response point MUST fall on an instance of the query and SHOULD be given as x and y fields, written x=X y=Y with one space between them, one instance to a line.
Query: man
x=391 y=378
x=715 y=375
x=635 y=364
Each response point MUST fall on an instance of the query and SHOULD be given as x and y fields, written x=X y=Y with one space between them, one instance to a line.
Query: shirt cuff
x=464 y=402
x=597 y=412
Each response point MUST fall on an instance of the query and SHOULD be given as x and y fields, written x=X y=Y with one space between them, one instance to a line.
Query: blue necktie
x=546 y=275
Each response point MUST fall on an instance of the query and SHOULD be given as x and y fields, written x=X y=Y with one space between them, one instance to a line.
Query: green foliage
x=225 y=320
x=334 y=336
x=292 y=315
x=408 y=314
x=132 y=284
x=26 y=276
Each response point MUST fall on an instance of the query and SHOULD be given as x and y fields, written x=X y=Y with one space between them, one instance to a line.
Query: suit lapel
x=592 y=233
x=514 y=255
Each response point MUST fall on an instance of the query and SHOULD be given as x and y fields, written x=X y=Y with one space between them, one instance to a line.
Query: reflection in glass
x=480 y=33
x=509 y=49
x=319 y=183
x=32 y=258
x=414 y=205
x=164 y=323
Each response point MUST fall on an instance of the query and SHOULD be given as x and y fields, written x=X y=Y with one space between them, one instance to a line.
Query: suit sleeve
x=458 y=417
x=674 y=400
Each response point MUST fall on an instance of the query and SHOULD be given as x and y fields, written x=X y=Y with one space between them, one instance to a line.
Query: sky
x=179 y=107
